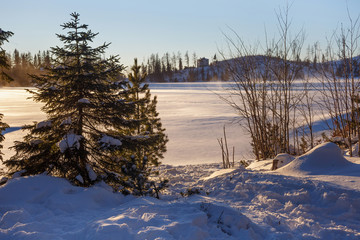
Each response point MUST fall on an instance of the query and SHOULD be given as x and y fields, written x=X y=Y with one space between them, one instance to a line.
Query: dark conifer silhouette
x=4 y=63
x=4 y=35
x=84 y=99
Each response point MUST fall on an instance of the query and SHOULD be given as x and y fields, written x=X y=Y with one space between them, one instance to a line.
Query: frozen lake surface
x=192 y=114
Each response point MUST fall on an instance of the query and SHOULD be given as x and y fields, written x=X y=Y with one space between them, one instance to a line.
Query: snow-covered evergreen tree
x=4 y=64
x=4 y=35
x=151 y=138
x=84 y=100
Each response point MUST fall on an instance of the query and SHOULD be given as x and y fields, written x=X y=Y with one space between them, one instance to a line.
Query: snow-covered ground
x=202 y=202
x=316 y=196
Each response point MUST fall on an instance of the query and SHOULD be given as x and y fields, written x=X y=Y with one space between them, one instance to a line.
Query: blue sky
x=139 y=28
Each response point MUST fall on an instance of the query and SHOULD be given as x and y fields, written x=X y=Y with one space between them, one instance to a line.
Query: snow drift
x=240 y=204
x=324 y=159
x=44 y=207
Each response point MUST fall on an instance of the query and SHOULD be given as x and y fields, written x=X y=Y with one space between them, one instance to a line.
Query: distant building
x=202 y=62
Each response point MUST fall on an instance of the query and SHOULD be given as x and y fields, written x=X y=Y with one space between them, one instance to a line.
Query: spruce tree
x=4 y=35
x=84 y=99
x=151 y=138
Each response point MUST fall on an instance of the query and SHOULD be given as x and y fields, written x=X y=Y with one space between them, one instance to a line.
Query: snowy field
x=316 y=196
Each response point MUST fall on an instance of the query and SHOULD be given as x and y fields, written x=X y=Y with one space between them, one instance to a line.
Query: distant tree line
x=177 y=67
x=22 y=65
x=167 y=68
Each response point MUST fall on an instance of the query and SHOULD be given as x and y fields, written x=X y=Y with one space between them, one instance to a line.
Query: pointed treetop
x=4 y=35
x=74 y=23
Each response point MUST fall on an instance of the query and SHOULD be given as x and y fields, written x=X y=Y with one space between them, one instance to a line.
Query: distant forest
x=167 y=68
x=175 y=68
x=23 y=64
x=171 y=67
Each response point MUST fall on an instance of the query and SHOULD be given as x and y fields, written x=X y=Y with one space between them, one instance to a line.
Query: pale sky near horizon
x=139 y=28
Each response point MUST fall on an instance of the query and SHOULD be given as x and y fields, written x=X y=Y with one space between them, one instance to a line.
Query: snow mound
x=325 y=158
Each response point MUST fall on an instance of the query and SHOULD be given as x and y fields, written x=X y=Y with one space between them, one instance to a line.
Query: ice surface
x=17 y=108
x=192 y=114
